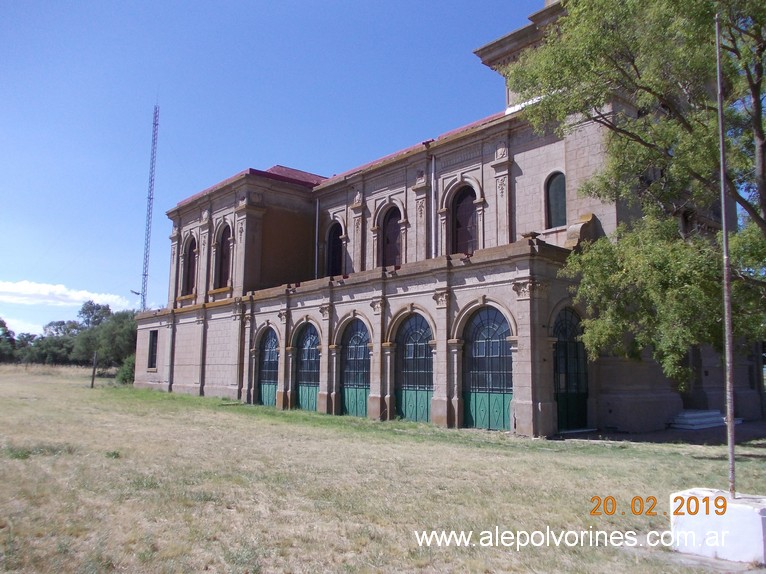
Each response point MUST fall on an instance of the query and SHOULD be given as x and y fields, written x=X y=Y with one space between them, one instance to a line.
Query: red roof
x=417 y=147
x=276 y=173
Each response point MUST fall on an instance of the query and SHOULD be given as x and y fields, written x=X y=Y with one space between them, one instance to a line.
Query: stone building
x=422 y=285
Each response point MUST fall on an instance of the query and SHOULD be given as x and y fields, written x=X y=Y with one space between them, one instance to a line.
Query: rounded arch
x=298 y=328
x=188 y=237
x=260 y=332
x=345 y=321
x=463 y=316
x=456 y=186
x=382 y=209
x=402 y=314
x=565 y=303
x=189 y=265
x=219 y=228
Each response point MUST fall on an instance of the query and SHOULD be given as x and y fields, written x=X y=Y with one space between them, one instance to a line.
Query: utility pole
x=149 y=207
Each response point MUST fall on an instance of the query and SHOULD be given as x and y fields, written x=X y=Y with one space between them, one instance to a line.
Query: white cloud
x=21 y=326
x=30 y=293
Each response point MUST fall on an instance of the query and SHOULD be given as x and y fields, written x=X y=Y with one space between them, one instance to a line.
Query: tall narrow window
x=334 y=251
x=556 y=201
x=190 y=268
x=151 y=363
x=391 y=242
x=223 y=259
x=268 y=368
x=464 y=222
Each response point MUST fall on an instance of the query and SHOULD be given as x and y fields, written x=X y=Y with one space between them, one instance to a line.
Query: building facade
x=423 y=285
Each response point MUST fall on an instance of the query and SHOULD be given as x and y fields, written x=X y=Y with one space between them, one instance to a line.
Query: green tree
x=116 y=338
x=645 y=71
x=93 y=314
x=7 y=343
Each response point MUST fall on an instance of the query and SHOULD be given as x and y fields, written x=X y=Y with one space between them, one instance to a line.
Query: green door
x=487 y=375
x=355 y=369
x=570 y=373
x=487 y=410
x=268 y=368
x=414 y=386
x=307 y=369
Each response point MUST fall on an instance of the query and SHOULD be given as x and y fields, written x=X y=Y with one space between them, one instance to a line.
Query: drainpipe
x=434 y=248
x=316 y=241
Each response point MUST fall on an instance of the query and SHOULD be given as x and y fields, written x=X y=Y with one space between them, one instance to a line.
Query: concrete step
x=699 y=419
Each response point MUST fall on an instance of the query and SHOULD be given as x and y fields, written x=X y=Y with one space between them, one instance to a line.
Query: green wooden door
x=355 y=401
x=487 y=376
x=414 y=404
x=268 y=368
x=414 y=370
x=307 y=369
x=355 y=369
x=268 y=394
x=487 y=410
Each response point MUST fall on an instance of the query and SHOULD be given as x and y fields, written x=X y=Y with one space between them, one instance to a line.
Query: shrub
x=126 y=372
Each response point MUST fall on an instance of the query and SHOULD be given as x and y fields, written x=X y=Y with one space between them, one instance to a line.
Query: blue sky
x=318 y=86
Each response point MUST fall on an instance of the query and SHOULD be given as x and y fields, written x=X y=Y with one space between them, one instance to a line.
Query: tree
x=92 y=314
x=645 y=71
x=7 y=343
x=116 y=338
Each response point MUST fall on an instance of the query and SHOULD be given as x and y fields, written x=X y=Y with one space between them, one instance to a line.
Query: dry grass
x=115 y=479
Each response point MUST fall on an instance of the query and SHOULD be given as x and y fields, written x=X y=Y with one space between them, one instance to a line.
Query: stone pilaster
x=442 y=412
x=455 y=378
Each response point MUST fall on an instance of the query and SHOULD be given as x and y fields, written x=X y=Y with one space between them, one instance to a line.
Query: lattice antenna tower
x=149 y=207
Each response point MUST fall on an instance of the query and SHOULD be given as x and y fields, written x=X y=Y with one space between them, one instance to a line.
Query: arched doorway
x=268 y=368
x=487 y=375
x=355 y=369
x=414 y=386
x=307 y=368
x=570 y=372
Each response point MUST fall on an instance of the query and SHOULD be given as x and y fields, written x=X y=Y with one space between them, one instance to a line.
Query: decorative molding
x=282 y=315
x=377 y=305
x=421 y=207
x=527 y=288
x=325 y=310
x=441 y=296
x=502 y=183
x=501 y=150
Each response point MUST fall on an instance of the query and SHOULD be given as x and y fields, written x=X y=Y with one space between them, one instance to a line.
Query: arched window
x=190 y=268
x=307 y=368
x=268 y=368
x=464 y=222
x=391 y=242
x=223 y=259
x=570 y=375
x=556 y=201
x=355 y=369
x=414 y=369
x=487 y=375
x=334 y=251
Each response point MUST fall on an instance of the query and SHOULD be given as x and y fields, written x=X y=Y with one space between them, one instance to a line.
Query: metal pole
x=728 y=337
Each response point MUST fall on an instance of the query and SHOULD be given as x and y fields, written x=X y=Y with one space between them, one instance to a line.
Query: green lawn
x=115 y=479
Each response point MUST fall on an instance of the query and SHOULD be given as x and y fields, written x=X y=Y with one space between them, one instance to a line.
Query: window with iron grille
x=487 y=353
x=307 y=370
x=414 y=359
x=570 y=360
x=355 y=364
x=391 y=239
x=152 y=361
x=268 y=358
x=464 y=222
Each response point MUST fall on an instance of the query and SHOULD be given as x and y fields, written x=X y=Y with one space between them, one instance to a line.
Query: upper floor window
x=556 y=201
x=464 y=222
x=190 y=268
x=391 y=242
x=335 y=250
x=151 y=362
x=223 y=259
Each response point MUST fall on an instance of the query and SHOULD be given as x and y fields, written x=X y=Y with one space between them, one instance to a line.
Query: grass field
x=116 y=479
